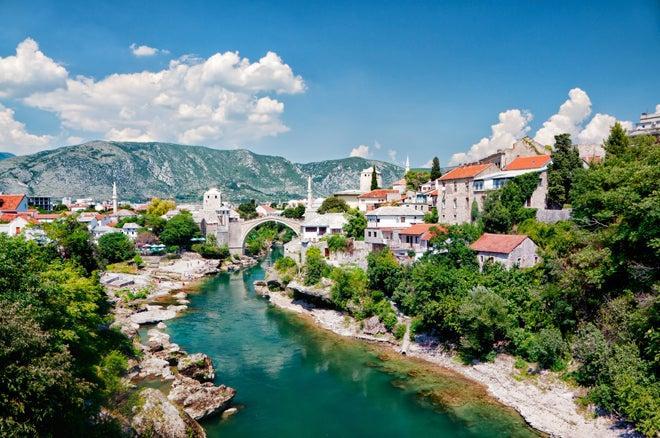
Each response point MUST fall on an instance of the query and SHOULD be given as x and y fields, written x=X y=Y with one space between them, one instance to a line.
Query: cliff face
x=143 y=170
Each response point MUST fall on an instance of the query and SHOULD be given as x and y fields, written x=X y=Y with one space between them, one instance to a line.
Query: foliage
x=145 y=238
x=337 y=242
x=210 y=249
x=332 y=204
x=296 y=212
x=180 y=230
x=565 y=164
x=73 y=241
x=399 y=331
x=355 y=225
x=374 y=178
x=285 y=263
x=435 y=169
x=350 y=284
x=432 y=216
x=115 y=247
x=158 y=207
x=505 y=207
x=484 y=319
x=618 y=142
x=415 y=179
x=383 y=271
x=474 y=211
x=248 y=210
x=261 y=237
x=315 y=266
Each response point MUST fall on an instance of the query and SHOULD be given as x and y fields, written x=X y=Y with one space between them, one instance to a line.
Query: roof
x=47 y=216
x=8 y=217
x=130 y=225
x=533 y=162
x=331 y=220
x=378 y=193
x=350 y=192
x=395 y=211
x=124 y=212
x=499 y=243
x=268 y=208
x=401 y=182
x=468 y=171
x=420 y=229
x=10 y=202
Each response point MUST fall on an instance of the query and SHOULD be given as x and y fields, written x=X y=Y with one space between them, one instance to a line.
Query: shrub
x=285 y=263
x=337 y=242
x=333 y=204
x=399 y=331
x=315 y=266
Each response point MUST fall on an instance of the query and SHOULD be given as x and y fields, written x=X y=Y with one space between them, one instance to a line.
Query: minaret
x=114 y=197
x=407 y=165
x=309 y=193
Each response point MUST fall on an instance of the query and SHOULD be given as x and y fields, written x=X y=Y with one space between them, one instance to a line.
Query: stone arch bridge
x=238 y=231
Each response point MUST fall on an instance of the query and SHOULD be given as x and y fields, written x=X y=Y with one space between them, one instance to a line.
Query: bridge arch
x=242 y=229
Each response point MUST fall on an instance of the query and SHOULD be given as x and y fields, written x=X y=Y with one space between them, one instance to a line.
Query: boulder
x=373 y=326
x=154 y=415
x=153 y=314
x=197 y=366
x=155 y=366
x=200 y=400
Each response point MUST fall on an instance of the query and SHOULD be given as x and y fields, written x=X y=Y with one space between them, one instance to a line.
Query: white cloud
x=360 y=151
x=657 y=108
x=29 y=70
x=569 y=118
x=598 y=129
x=219 y=101
x=427 y=164
x=392 y=154
x=377 y=145
x=143 y=50
x=74 y=139
x=14 y=138
x=513 y=124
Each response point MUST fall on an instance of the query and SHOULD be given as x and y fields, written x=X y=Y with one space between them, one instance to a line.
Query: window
x=467 y=185
x=519 y=260
x=467 y=201
x=478 y=185
x=403 y=218
x=454 y=186
x=482 y=258
x=499 y=182
x=455 y=204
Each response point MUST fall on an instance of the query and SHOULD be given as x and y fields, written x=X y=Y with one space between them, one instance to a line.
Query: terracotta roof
x=378 y=193
x=469 y=171
x=10 y=202
x=268 y=208
x=499 y=243
x=420 y=229
x=40 y=216
x=533 y=162
x=8 y=217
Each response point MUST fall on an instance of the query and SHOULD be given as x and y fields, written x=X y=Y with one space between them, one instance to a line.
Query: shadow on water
x=294 y=379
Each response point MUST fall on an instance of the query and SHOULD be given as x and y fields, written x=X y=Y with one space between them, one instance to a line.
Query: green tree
x=618 y=142
x=333 y=204
x=115 y=247
x=350 y=284
x=180 y=230
x=414 y=180
x=73 y=241
x=337 y=242
x=158 y=207
x=435 y=169
x=484 y=319
x=210 y=249
x=474 y=211
x=566 y=163
x=315 y=266
x=374 y=178
x=296 y=212
x=248 y=210
x=432 y=216
x=383 y=271
x=355 y=225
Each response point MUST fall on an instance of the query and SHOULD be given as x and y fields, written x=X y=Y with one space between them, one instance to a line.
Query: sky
x=322 y=80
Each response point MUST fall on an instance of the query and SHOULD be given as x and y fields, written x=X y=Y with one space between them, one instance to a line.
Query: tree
x=432 y=216
x=179 y=230
x=355 y=225
x=566 y=163
x=73 y=241
x=617 y=142
x=296 y=212
x=374 y=178
x=485 y=319
x=248 y=210
x=337 y=242
x=315 y=266
x=435 y=169
x=158 y=207
x=474 y=212
x=332 y=204
x=210 y=249
x=115 y=247
x=383 y=271
x=414 y=179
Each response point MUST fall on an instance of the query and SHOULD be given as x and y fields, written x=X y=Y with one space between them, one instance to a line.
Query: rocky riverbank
x=186 y=393
x=542 y=399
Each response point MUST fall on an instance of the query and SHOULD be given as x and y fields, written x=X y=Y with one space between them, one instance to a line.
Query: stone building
x=508 y=249
x=365 y=179
x=377 y=198
x=455 y=192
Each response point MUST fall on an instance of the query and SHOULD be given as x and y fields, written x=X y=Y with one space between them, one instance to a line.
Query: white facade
x=365 y=179
x=130 y=229
x=393 y=217
x=212 y=200
x=318 y=225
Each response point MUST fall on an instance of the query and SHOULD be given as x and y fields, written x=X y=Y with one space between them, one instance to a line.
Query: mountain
x=143 y=170
x=4 y=155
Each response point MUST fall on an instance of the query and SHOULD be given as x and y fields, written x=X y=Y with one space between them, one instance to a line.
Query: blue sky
x=417 y=78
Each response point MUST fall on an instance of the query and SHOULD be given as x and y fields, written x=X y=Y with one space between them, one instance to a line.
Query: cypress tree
x=565 y=163
x=435 y=169
x=374 y=179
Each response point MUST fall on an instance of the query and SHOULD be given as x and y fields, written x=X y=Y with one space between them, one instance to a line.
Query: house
x=507 y=249
x=266 y=210
x=349 y=196
x=401 y=186
x=13 y=203
x=130 y=229
x=14 y=224
x=456 y=195
x=46 y=218
x=384 y=223
x=376 y=198
x=40 y=202
x=318 y=225
x=518 y=166
x=88 y=219
x=419 y=201
x=525 y=147
x=417 y=237
x=101 y=230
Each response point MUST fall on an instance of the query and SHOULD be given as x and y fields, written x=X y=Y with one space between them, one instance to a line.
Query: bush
x=315 y=266
x=333 y=204
x=383 y=271
x=349 y=285
x=296 y=212
x=355 y=225
x=285 y=263
x=179 y=231
x=399 y=331
x=210 y=249
x=337 y=242
x=548 y=348
x=485 y=320
x=115 y=247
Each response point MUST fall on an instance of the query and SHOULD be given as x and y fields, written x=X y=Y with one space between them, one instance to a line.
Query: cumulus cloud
x=392 y=154
x=513 y=124
x=569 y=118
x=29 y=70
x=598 y=129
x=361 y=151
x=143 y=50
x=217 y=101
x=14 y=138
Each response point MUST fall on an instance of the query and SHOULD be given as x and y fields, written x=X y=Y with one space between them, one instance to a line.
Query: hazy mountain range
x=143 y=170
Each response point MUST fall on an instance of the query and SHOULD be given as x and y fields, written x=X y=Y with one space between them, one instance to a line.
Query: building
x=349 y=196
x=366 y=176
x=130 y=229
x=212 y=200
x=318 y=225
x=266 y=210
x=101 y=230
x=14 y=224
x=649 y=124
x=401 y=186
x=524 y=147
x=13 y=203
x=40 y=202
x=377 y=198
x=383 y=224
x=508 y=249
x=417 y=237
x=456 y=194
x=421 y=201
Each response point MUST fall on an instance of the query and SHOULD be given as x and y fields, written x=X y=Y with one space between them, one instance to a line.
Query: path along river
x=296 y=380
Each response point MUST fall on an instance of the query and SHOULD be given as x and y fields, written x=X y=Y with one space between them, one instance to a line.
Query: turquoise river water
x=296 y=380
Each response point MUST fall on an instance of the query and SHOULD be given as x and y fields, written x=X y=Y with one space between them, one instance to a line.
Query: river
x=296 y=380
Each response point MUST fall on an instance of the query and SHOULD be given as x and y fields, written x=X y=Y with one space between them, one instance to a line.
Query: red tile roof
x=40 y=216
x=469 y=171
x=427 y=231
x=10 y=202
x=499 y=243
x=268 y=208
x=533 y=162
x=378 y=193
x=8 y=217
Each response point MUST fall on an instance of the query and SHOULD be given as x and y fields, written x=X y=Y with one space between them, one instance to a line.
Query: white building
x=130 y=229
x=377 y=198
x=365 y=179
x=350 y=197
x=649 y=123
x=212 y=200
x=316 y=226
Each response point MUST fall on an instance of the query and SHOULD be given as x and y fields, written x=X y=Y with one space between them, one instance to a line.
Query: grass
x=122 y=268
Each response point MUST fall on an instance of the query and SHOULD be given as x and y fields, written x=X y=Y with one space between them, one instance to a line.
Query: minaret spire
x=407 y=164
x=114 y=197
x=309 y=193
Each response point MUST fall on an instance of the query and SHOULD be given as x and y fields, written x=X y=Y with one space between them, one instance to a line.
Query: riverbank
x=542 y=399
x=185 y=393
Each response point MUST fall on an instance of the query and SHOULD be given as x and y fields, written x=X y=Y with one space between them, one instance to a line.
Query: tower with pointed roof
x=114 y=197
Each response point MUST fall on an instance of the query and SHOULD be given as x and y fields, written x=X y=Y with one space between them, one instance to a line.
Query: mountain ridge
x=184 y=172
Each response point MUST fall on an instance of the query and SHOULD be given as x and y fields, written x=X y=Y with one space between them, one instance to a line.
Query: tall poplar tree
x=374 y=179
x=435 y=169
x=565 y=163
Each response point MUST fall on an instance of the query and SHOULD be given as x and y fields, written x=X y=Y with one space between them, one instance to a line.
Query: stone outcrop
x=155 y=313
x=156 y=416
x=373 y=326
x=320 y=294
x=197 y=366
x=200 y=400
